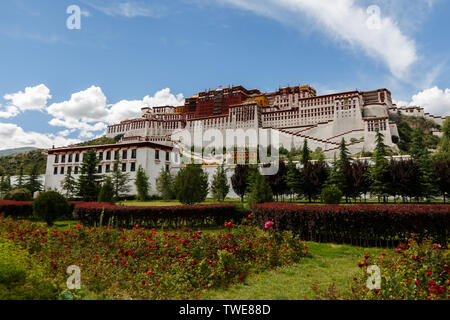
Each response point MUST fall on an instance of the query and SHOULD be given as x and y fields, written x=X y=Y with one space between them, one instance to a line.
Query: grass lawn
x=330 y=264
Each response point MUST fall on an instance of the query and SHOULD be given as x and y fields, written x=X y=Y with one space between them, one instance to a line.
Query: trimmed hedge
x=16 y=209
x=363 y=225
x=166 y=216
x=24 y=209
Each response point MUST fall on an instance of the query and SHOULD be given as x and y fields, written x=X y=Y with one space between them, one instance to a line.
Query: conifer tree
x=119 y=179
x=219 y=185
x=88 y=185
x=32 y=183
x=164 y=185
x=69 y=184
x=142 y=184
x=259 y=189
x=379 y=172
x=20 y=181
x=106 y=193
x=306 y=153
x=293 y=179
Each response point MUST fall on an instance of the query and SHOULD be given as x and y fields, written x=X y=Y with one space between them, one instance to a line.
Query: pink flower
x=268 y=224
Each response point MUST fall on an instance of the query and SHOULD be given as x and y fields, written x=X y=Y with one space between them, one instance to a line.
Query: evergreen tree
x=442 y=173
x=164 y=185
x=259 y=190
x=69 y=184
x=421 y=154
x=379 y=172
x=106 y=193
x=306 y=153
x=4 y=186
x=88 y=185
x=239 y=180
x=20 y=178
x=119 y=179
x=33 y=184
x=444 y=143
x=293 y=179
x=142 y=184
x=191 y=184
x=360 y=178
x=219 y=185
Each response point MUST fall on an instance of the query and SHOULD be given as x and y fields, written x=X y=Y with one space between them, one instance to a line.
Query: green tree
x=444 y=143
x=442 y=173
x=120 y=179
x=5 y=185
x=420 y=153
x=32 y=183
x=142 y=184
x=20 y=181
x=259 y=189
x=219 y=185
x=306 y=153
x=69 y=184
x=88 y=185
x=191 y=184
x=293 y=179
x=106 y=191
x=239 y=180
x=379 y=172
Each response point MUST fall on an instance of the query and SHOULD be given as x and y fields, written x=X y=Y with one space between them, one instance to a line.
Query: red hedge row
x=366 y=225
x=157 y=216
x=23 y=209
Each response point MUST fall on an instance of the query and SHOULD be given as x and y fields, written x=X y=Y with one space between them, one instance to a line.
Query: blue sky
x=60 y=86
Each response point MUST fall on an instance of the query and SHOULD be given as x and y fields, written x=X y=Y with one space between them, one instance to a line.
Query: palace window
x=99 y=169
x=70 y=158
x=77 y=157
x=76 y=170
x=124 y=154
x=133 y=167
x=156 y=154
x=108 y=168
x=56 y=158
x=63 y=158
x=100 y=156
x=62 y=170
x=55 y=170
x=108 y=155
x=124 y=167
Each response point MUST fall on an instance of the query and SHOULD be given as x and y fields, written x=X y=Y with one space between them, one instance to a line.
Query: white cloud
x=13 y=136
x=34 y=98
x=344 y=21
x=8 y=112
x=127 y=9
x=434 y=100
x=88 y=110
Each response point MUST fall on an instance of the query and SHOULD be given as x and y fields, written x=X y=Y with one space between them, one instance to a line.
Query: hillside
x=10 y=164
x=8 y=152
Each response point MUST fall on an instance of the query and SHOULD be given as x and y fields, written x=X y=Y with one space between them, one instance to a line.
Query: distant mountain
x=9 y=152
x=22 y=157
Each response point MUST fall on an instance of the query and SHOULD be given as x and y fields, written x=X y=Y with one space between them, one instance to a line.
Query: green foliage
x=306 y=153
x=21 y=194
x=12 y=164
x=142 y=184
x=49 y=206
x=69 y=184
x=32 y=182
x=259 y=189
x=120 y=180
x=239 y=180
x=191 y=184
x=5 y=185
x=407 y=124
x=379 y=172
x=106 y=191
x=219 y=185
x=314 y=175
x=293 y=179
x=88 y=185
x=444 y=144
x=165 y=185
x=21 y=277
x=331 y=195
x=417 y=270
x=101 y=141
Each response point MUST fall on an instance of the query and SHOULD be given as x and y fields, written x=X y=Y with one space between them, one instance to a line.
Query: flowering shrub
x=157 y=216
x=366 y=225
x=414 y=271
x=141 y=263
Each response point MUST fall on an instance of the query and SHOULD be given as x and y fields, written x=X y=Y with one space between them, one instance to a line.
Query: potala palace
x=294 y=113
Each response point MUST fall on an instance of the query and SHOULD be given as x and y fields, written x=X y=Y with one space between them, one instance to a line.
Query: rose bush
x=142 y=263
x=414 y=271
